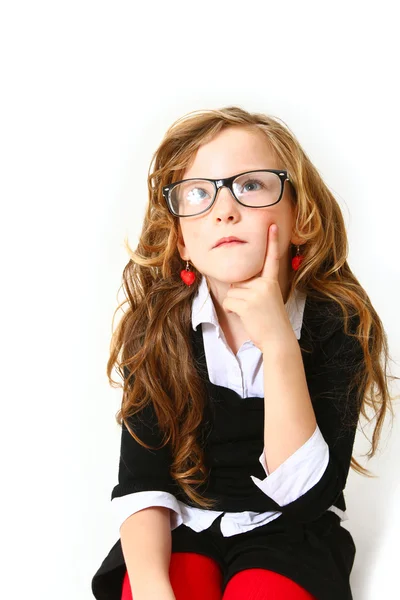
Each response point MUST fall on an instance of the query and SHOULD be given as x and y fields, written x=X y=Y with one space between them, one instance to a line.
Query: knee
x=264 y=584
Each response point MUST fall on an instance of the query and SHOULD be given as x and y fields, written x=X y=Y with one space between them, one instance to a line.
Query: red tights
x=197 y=577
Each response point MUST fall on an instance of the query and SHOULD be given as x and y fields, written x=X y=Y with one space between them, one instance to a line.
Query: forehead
x=233 y=150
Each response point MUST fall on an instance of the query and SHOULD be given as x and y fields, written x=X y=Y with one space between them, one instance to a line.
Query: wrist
x=157 y=590
x=284 y=347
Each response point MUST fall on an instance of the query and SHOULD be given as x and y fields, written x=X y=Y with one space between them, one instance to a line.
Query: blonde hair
x=158 y=312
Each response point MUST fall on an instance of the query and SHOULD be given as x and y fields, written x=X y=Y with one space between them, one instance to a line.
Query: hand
x=259 y=302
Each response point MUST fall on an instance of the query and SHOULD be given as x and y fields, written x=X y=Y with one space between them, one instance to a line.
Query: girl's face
x=232 y=151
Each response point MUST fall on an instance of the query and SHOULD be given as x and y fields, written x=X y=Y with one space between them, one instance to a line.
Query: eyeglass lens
x=258 y=188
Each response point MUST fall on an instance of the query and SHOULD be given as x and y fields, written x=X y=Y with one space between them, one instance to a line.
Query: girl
x=248 y=351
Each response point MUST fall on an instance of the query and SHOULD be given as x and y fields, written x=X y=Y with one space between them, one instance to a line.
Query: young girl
x=249 y=350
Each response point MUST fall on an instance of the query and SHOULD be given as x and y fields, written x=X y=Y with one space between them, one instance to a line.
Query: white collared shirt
x=243 y=373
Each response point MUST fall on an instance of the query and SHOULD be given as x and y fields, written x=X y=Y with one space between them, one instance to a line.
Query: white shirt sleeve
x=127 y=505
x=298 y=473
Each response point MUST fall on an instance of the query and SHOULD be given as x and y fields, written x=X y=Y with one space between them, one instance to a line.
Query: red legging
x=195 y=577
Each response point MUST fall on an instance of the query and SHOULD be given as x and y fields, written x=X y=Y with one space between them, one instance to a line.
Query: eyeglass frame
x=220 y=183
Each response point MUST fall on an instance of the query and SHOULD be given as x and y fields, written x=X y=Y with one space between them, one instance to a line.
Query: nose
x=225 y=202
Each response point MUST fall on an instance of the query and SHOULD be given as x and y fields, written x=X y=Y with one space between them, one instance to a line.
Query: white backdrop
x=88 y=90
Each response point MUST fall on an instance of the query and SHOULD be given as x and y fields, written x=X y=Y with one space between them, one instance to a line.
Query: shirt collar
x=203 y=310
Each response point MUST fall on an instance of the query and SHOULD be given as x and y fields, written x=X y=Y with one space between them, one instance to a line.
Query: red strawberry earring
x=297 y=260
x=187 y=275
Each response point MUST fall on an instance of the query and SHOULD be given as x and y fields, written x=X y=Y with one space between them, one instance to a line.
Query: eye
x=196 y=194
x=250 y=186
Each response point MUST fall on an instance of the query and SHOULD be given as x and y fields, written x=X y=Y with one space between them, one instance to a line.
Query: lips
x=229 y=243
x=228 y=240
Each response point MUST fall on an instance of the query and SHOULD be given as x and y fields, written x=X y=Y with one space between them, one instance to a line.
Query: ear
x=297 y=241
x=181 y=246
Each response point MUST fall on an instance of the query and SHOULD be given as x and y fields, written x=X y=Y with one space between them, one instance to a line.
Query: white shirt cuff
x=298 y=473
x=127 y=505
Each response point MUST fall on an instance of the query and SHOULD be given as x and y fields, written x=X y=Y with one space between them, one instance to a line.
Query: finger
x=241 y=284
x=235 y=305
x=271 y=263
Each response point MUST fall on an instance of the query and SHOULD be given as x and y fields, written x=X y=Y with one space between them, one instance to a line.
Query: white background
x=88 y=90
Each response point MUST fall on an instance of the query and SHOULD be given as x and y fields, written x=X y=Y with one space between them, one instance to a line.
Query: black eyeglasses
x=257 y=189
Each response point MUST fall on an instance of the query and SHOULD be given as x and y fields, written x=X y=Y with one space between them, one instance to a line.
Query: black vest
x=232 y=436
x=233 y=433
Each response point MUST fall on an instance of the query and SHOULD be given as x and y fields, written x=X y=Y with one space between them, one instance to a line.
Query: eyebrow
x=245 y=170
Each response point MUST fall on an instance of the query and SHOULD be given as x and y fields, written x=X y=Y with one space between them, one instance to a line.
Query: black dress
x=306 y=542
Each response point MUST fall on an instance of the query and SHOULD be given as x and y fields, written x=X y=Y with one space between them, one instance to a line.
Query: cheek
x=284 y=233
x=279 y=220
x=192 y=234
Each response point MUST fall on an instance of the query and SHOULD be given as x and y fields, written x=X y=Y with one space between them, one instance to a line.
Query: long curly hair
x=152 y=340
